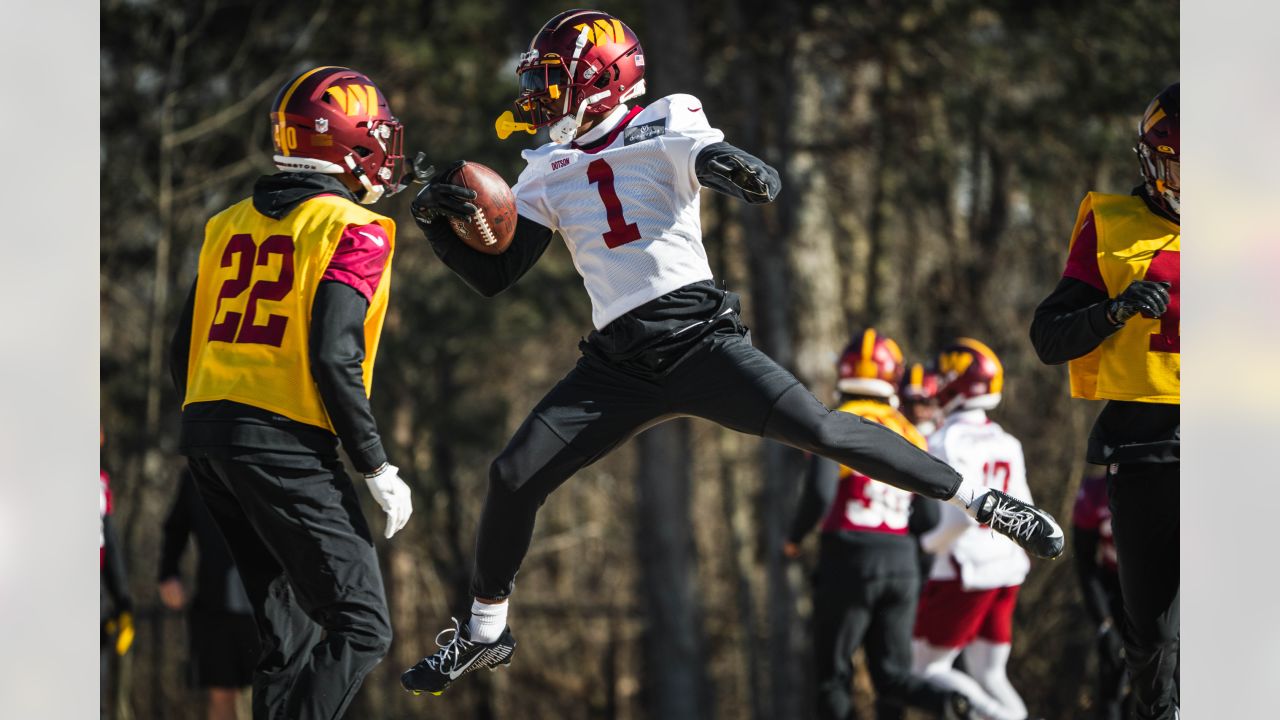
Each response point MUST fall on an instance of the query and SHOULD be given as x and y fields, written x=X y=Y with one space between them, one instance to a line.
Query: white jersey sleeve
x=531 y=197
x=691 y=132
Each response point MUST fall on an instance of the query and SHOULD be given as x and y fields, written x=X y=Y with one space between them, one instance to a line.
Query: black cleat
x=456 y=658
x=1032 y=528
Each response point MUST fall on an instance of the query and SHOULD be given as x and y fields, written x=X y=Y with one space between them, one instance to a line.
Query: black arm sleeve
x=1071 y=322
x=720 y=183
x=176 y=530
x=1084 y=544
x=489 y=274
x=113 y=571
x=821 y=481
x=180 y=344
x=337 y=349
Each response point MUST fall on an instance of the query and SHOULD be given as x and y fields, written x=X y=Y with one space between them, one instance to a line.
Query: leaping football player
x=621 y=183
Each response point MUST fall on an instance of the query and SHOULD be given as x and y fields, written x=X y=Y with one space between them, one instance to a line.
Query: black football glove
x=438 y=198
x=1149 y=297
x=742 y=175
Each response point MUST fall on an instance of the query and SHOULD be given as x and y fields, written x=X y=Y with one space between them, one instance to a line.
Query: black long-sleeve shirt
x=336 y=348
x=218 y=587
x=1070 y=323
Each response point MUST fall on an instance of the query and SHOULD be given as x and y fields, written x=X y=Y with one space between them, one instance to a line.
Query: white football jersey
x=986 y=455
x=628 y=210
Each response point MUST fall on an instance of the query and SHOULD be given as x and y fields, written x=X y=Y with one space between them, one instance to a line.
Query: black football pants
x=306 y=557
x=598 y=406
x=878 y=614
x=1144 y=521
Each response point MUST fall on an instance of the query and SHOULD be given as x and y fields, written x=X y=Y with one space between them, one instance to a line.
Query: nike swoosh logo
x=697 y=109
x=456 y=673
x=376 y=240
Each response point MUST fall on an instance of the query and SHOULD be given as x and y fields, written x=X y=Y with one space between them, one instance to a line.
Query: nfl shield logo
x=322 y=125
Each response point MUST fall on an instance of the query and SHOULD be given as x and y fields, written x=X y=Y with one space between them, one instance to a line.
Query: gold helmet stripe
x=284 y=99
x=867 y=366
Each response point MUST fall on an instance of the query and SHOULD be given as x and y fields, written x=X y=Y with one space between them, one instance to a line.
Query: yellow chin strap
x=506 y=124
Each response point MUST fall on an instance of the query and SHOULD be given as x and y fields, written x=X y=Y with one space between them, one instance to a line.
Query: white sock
x=966 y=494
x=487 y=621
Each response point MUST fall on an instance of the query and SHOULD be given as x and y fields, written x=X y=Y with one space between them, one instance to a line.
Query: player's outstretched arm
x=488 y=274
x=733 y=171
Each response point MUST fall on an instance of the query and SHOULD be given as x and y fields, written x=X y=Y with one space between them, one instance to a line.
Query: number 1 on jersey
x=620 y=231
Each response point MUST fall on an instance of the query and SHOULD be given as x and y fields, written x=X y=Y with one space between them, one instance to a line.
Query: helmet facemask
x=548 y=98
x=1161 y=172
x=362 y=162
x=1159 y=142
x=570 y=72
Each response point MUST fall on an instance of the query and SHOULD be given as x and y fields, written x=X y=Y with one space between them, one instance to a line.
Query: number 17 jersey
x=628 y=208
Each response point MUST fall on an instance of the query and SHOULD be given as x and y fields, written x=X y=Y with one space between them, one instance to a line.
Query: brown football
x=490 y=230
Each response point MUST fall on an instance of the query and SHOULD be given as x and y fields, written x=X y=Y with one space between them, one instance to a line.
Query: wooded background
x=933 y=155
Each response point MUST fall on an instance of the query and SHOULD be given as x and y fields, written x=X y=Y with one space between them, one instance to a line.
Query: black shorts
x=224 y=649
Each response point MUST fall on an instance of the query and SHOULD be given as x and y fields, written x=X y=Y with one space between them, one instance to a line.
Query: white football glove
x=393 y=496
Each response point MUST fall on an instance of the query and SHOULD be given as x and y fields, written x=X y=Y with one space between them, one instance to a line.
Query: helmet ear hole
x=362 y=151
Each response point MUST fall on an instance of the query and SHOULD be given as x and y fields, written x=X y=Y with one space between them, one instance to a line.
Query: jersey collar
x=603 y=134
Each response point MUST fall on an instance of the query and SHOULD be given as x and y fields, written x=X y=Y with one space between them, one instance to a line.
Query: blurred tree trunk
x=674 y=683
x=766 y=90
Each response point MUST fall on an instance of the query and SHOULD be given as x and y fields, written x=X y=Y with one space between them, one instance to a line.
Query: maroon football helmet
x=580 y=62
x=919 y=383
x=871 y=364
x=970 y=376
x=919 y=395
x=334 y=120
x=1158 y=143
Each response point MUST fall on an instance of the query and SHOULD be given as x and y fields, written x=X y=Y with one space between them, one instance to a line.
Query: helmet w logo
x=603 y=31
x=355 y=99
x=954 y=362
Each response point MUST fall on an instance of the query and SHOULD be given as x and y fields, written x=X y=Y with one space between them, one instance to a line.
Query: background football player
x=621 y=185
x=274 y=356
x=969 y=600
x=115 y=602
x=1114 y=318
x=1095 y=558
x=868 y=578
x=222 y=638
x=918 y=395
